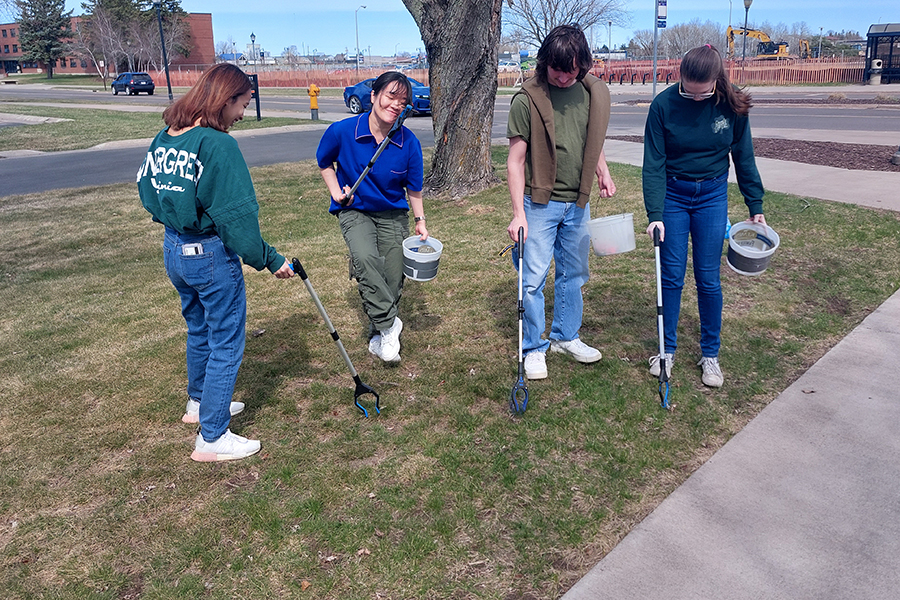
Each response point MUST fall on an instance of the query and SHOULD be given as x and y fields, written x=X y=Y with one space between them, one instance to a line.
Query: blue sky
x=385 y=26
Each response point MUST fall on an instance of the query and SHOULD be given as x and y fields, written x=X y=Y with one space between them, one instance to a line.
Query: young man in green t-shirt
x=556 y=129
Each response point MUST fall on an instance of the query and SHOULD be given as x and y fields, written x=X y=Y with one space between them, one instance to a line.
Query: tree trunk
x=462 y=39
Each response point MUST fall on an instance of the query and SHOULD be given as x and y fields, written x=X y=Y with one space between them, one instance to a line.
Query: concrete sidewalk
x=803 y=503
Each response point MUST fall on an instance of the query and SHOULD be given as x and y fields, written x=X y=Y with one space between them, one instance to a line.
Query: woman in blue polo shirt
x=375 y=221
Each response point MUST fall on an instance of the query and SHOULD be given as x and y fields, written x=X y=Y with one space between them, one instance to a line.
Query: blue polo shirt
x=348 y=145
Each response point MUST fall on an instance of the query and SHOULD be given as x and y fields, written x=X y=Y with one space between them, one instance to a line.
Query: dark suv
x=132 y=83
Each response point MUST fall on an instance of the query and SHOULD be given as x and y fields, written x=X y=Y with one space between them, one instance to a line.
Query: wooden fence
x=623 y=72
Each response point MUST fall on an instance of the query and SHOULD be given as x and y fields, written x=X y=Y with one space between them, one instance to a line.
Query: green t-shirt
x=571 y=112
x=199 y=183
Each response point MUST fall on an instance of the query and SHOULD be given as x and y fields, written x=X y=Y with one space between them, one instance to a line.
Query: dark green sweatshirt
x=693 y=139
x=198 y=183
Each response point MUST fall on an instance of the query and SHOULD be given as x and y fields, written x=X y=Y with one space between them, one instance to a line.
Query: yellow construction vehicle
x=803 y=51
x=766 y=48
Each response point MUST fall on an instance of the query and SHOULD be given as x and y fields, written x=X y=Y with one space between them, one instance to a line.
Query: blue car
x=358 y=98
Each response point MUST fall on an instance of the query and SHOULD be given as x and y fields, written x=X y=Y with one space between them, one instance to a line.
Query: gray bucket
x=420 y=259
x=750 y=247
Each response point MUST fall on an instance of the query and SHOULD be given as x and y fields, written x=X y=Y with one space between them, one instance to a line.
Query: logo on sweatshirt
x=720 y=124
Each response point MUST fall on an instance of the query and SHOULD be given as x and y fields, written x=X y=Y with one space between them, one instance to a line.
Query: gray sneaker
x=229 y=446
x=654 y=365
x=712 y=373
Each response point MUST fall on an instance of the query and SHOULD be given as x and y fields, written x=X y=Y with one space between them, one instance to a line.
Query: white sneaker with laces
x=654 y=364
x=192 y=411
x=536 y=365
x=390 y=342
x=229 y=446
x=577 y=350
x=375 y=345
x=712 y=373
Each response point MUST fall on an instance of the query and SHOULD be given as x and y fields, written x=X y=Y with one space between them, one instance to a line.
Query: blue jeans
x=557 y=231
x=698 y=209
x=214 y=306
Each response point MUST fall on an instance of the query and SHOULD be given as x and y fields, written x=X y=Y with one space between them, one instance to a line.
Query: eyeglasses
x=702 y=96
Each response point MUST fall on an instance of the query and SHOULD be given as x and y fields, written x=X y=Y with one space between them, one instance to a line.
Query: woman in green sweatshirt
x=692 y=130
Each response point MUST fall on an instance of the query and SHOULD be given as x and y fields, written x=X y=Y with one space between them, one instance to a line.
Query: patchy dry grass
x=445 y=495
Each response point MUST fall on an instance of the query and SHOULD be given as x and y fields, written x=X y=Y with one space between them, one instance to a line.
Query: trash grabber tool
x=378 y=151
x=518 y=397
x=663 y=373
x=361 y=388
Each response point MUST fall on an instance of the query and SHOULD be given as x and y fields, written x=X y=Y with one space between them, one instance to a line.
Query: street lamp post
x=356 y=20
x=609 y=45
x=747 y=4
x=162 y=41
x=819 y=55
x=253 y=47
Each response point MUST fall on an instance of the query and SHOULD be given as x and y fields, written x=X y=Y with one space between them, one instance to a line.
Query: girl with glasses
x=692 y=131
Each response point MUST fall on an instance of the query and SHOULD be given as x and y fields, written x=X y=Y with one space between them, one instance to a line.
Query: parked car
x=133 y=83
x=358 y=98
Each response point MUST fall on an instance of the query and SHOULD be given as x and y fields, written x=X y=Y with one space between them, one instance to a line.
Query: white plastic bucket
x=420 y=259
x=750 y=247
x=612 y=235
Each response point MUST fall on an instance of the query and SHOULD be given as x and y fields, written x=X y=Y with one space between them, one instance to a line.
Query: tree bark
x=462 y=39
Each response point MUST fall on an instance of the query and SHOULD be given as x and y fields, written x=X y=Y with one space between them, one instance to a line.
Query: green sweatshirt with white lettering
x=693 y=139
x=198 y=183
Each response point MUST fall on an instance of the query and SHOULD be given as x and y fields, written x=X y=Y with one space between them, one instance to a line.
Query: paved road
x=118 y=161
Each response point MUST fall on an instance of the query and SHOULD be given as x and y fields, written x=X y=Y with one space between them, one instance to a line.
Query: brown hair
x=207 y=99
x=564 y=46
x=703 y=64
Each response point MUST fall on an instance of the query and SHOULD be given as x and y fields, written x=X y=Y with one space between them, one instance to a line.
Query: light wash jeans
x=698 y=209
x=214 y=306
x=557 y=231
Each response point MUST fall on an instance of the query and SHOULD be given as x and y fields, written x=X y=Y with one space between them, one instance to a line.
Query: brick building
x=202 y=50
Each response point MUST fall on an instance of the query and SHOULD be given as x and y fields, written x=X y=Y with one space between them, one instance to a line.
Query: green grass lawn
x=445 y=494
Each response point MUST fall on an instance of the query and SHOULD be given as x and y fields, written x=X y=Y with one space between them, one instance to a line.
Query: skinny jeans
x=699 y=210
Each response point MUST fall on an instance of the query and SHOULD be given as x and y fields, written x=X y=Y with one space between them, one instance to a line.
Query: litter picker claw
x=361 y=388
x=518 y=397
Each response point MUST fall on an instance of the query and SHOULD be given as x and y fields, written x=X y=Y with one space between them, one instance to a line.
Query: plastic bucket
x=612 y=235
x=750 y=247
x=420 y=259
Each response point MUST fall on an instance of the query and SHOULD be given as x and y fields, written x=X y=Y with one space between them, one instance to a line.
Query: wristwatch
x=417 y=219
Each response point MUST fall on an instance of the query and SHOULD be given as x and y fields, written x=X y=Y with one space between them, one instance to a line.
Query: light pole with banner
x=356 y=20
x=162 y=41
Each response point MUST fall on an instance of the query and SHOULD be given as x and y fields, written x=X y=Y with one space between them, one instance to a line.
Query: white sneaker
x=577 y=350
x=712 y=373
x=536 y=365
x=654 y=364
x=192 y=411
x=390 y=342
x=375 y=345
x=229 y=446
